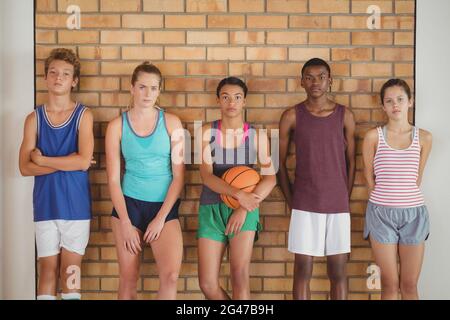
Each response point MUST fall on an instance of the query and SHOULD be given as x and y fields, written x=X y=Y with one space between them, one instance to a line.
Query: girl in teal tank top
x=148 y=171
x=146 y=200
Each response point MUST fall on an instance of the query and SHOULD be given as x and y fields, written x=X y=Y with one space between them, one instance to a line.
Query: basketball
x=241 y=177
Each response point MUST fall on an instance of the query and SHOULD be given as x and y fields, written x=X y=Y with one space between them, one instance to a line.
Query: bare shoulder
x=288 y=113
x=425 y=136
x=288 y=116
x=31 y=117
x=348 y=113
x=371 y=135
x=173 y=122
x=88 y=115
x=115 y=124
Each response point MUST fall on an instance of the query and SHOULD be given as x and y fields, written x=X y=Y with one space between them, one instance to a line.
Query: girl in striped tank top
x=396 y=216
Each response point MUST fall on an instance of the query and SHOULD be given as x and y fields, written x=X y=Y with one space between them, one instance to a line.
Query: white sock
x=46 y=297
x=71 y=296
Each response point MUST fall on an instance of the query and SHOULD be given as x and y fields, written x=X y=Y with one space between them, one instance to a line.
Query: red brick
x=226 y=21
x=330 y=6
x=287 y=38
x=185 y=21
x=206 y=6
x=267 y=22
x=246 y=5
x=164 y=5
x=121 y=37
x=142 y=21
x=185 y=53
x=164 y=37
x=224 y=53
x=288 y=6
x=309 y=22
x=266 y=53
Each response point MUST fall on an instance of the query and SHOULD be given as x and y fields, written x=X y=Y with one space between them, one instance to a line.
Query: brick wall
x=198 y=42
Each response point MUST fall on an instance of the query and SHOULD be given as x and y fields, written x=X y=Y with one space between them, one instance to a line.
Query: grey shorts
x=407 y=226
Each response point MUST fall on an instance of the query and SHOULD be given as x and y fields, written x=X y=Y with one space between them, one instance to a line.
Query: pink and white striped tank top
x=396 y=173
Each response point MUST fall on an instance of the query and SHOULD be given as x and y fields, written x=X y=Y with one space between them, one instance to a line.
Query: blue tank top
x=148 y=166
x=63 y=194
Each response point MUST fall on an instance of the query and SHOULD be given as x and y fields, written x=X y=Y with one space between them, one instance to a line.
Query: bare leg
x=241 y=246
x=411 y=258
x=337 y=273
x=303 y=267
x=128 y=265
x=386 y=258
x=210 y=253
x=70 y=271
x=168 y=253
x=48 y=275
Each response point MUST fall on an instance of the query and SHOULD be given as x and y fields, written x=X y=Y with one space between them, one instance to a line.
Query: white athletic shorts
x=319 y=234
x=52 y=235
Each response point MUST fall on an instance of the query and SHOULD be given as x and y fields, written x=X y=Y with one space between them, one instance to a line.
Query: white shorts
x=319 y=234
x=52 y=235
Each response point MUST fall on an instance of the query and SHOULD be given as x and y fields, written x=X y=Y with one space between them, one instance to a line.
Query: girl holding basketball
x=146 y=200
x=226 y=143
x=397 y=222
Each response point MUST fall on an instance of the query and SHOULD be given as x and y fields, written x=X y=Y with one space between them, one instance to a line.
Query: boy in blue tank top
x=146 y=200
x=57 y=149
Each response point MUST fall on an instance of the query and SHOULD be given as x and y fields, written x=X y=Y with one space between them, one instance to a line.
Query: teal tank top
x=148 y=167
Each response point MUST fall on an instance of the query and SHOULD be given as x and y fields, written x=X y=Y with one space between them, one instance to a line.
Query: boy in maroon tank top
x=323 y=133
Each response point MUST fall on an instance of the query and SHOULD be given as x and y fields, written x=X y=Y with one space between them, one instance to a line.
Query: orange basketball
x=241 y=177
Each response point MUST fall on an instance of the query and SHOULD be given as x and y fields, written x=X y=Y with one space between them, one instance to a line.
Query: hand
x=154 y=230
x=93 y=161
x=36 y=156
x=248 y=200
x=132 y=240
x=236 y=221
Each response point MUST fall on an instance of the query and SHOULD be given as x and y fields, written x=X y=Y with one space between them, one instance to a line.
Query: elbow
x=85 y=164
x=271 y=180
x=24 y=171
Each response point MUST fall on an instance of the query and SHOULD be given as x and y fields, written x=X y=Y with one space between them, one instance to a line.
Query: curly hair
x=66 y=55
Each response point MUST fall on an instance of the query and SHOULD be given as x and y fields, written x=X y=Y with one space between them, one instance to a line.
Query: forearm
x=31 y=169
x=173 y=193
x=370 y=181
x=73 y=162
x=285 y=184
x=118 y=201
x=219 y=186
x=265 y=186
x=351 y=176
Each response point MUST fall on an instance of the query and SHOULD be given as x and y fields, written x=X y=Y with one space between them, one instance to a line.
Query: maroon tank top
x=321 y=172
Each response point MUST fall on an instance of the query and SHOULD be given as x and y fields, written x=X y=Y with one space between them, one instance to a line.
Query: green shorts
x=213 y=219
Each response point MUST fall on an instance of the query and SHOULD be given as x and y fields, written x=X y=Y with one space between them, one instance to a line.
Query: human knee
x=337 y=274
x=390 y=285
x=408 y=286
x=208 y=286
x=303 y=271
x=169 y=278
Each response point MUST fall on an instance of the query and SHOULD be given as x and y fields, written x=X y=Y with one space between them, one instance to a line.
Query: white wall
x=1 y=157
x=16 y=101
x=433 y=114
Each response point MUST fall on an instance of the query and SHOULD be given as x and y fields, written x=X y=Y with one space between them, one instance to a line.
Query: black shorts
x=141 y=213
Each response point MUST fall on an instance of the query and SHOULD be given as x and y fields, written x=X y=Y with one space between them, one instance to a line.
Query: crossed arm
x=33 y=163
